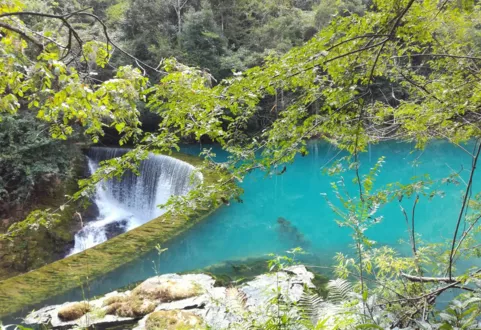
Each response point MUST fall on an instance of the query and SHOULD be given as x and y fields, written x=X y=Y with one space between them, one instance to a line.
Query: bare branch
x=412 y=82
x=461 y=211
x=425 y=279
x=466 y=233
x=412 y=224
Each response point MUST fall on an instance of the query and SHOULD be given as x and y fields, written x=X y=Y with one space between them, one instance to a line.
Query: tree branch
x=73 y=33
x=425 y=279
x=109 y=41
x=440 y=55
x=461 y=211
x=22 y=34
x=412 y=225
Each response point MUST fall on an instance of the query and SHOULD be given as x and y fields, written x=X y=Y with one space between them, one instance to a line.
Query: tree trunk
x=179 y=18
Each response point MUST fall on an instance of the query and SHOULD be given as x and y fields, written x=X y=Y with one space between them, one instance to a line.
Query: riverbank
x=189 y=301
x=20 y=292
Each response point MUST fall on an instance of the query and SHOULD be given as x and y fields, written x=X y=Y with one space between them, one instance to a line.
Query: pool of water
x=251 y=228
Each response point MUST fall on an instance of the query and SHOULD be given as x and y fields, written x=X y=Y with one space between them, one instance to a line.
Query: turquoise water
x=250 y=229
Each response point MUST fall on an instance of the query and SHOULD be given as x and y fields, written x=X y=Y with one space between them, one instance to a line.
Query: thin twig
x=461 y=211
x=412 y=224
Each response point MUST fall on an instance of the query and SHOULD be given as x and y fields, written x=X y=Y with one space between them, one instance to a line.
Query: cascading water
x=131 y=201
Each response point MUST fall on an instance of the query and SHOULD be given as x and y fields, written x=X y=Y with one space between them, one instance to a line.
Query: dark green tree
x=202 y=41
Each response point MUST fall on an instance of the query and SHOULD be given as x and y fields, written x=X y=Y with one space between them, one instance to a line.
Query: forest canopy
x=261 y=79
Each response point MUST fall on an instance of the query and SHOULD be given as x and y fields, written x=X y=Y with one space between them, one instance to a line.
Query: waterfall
x=128 y=202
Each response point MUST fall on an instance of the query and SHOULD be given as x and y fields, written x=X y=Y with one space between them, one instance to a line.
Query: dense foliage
x=405 y=69
x=36 y=172
x=31 y=162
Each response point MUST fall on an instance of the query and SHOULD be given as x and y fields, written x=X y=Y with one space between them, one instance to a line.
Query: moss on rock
x=131 y=307
x=167 y=291
x=173 y=320
x=73 y=311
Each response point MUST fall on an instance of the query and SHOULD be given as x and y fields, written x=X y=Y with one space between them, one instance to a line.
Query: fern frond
x=339 y=290
x=310 y=306
x=235 y=300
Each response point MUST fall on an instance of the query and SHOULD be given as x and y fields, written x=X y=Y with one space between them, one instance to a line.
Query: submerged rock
x=290 y=232
x=189 y=301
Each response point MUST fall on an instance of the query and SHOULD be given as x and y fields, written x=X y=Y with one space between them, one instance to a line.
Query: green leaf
x=119 y=127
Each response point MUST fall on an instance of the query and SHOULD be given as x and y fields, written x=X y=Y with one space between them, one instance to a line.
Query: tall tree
x=202 y=40
x=179 y=6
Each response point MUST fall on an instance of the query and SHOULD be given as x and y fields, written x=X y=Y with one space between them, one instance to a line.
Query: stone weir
x=21 y=292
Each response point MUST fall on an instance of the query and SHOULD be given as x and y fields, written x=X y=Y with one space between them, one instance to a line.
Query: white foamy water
x=131 y=201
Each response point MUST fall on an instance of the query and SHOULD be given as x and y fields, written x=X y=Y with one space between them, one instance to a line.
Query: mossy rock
x=173 y=320
x=167 y=291
x=131 y=306
x=237 y=272
x=73 y=311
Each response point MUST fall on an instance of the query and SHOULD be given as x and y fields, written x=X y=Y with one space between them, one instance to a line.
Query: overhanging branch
x=22 y=34
x=72 y=32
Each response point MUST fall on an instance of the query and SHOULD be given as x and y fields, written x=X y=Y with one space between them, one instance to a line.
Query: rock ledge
x=173 y=301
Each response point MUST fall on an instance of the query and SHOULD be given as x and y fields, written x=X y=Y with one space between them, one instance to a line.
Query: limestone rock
x=96 y=315
x=188 y=301
x=170 y=320
x=291 y=281
x=172 y=287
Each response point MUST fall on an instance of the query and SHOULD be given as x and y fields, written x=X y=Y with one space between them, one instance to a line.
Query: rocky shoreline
x=173 y=301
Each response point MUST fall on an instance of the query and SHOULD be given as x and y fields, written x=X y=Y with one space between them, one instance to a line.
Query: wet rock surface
x=116 y=228
x=175 y=301
x=91 y=213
